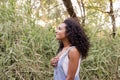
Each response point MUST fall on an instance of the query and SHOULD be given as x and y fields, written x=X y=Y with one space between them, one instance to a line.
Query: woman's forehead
x=62 y=25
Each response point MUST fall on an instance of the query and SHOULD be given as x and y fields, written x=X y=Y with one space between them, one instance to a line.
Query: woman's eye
x=59 y=28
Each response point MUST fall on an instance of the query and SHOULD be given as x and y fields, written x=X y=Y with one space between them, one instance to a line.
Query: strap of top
x=69 y=50
x=66 y=53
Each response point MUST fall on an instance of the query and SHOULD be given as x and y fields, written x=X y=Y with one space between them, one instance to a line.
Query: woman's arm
x=74 y=56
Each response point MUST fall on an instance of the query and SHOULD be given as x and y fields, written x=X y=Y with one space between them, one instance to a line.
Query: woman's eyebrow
x=57 y=27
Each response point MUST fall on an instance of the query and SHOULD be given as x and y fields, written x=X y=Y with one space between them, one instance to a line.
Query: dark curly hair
x=76 y=36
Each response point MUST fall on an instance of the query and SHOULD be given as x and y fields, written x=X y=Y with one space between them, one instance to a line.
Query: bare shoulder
x=74 y=53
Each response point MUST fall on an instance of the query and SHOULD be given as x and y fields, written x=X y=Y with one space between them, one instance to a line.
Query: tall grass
x=103 y=62
x=26 y=49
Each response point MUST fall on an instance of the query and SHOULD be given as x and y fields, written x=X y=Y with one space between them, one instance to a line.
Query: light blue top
x=58 y=70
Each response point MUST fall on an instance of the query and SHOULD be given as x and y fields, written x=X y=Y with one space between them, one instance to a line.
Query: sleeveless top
x=60 y=71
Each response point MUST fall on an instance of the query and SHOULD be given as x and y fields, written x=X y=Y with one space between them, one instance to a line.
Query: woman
x=73 y=46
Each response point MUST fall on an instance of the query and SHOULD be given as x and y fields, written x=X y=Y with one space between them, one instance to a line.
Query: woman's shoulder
x=73 y=52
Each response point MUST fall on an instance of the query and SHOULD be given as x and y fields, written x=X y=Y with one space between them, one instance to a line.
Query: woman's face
x=60 y=31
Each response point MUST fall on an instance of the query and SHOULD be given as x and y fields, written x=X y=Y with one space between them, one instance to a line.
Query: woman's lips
x=57 y=34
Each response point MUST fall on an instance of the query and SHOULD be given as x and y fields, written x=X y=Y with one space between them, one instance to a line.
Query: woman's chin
x=58 y=38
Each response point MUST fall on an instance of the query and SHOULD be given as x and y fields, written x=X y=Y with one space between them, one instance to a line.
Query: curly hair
x=76 y=36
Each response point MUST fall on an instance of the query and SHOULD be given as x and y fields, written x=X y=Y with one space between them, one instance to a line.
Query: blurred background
x=27 y=39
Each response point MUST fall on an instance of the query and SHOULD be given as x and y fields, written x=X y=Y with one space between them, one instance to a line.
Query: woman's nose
x=56 y=30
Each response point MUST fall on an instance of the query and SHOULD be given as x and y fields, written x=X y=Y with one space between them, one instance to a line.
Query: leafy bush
x=26 y=49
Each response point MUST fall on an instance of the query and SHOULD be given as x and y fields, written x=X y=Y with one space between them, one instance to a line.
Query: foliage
x=26 y=48
x=104 y=59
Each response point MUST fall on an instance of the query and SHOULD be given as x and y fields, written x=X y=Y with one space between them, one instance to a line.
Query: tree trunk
x=111 y=13
x=69 y=7
x=70 y=10
x=83 y=17
x=82 y=10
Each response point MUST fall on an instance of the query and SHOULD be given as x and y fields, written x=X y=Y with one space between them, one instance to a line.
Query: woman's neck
x=66 y=43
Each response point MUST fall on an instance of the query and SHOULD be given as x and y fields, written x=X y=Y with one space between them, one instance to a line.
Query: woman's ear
x=67 y=34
